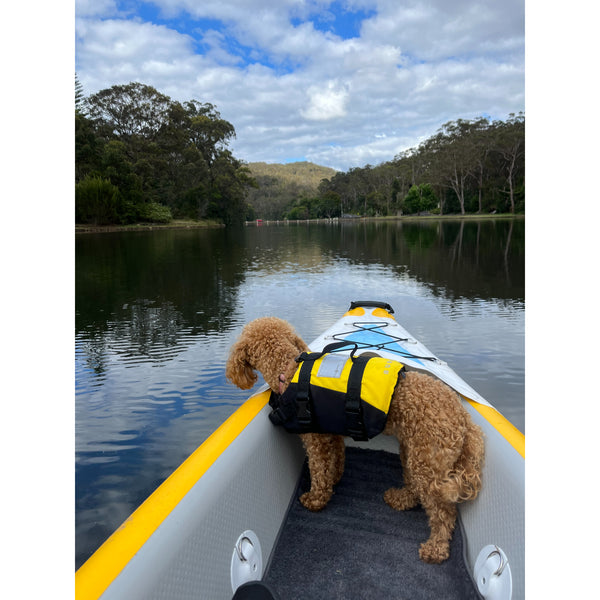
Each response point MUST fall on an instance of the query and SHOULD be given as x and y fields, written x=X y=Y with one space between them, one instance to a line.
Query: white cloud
x=326 y=104
x=96 y=8
x=292 y=90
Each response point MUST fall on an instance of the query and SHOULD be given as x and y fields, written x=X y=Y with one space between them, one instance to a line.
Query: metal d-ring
x=502 y=564
x=238 y=548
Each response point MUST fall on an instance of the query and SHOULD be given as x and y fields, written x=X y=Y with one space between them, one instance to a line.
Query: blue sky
x=342 y=84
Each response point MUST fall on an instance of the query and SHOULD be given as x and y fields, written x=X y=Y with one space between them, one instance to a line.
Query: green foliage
x=166 y=158
x=153 y=212
x=420 y=198
x=315 y=207
x=97 y=202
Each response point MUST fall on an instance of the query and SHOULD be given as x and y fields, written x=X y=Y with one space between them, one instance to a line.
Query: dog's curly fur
x=441 y=449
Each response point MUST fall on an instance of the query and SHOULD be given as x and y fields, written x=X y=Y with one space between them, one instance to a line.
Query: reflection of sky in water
x=150 y=386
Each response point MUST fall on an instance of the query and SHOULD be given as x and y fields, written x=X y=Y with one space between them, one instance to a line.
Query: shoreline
x=451 y=217
x=180 y=224
x=176 y=224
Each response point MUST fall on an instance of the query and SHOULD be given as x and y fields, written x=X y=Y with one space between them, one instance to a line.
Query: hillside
x=301 y=172
x=281 y=184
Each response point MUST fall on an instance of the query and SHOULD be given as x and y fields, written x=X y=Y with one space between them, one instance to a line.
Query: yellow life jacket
x=332 y=393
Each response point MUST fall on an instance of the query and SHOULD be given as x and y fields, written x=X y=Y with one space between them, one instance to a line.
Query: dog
x=441 y=449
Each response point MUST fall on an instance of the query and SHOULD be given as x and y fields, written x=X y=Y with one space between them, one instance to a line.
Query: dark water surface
x=156 y=313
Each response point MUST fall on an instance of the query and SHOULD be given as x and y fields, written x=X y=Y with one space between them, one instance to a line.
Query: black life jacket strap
x=354 y=418
x=304 y=412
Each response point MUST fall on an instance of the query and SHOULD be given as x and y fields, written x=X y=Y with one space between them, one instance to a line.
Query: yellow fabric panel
x=379 y=381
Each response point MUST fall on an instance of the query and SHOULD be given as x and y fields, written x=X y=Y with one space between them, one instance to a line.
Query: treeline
x=468 y=166
x=141 y=156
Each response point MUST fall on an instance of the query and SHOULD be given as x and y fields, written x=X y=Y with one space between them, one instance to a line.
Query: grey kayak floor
x=360 y=548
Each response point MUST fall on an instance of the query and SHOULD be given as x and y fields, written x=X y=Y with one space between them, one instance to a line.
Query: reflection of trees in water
x=483 y=258
x=150 y=295
x=146 y=333
x=93 y=350
x=151 y=331
x=506 y=250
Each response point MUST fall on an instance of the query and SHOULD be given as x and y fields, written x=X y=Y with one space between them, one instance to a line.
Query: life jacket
x=332 y=393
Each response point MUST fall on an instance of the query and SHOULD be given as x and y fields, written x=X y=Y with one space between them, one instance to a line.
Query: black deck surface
x=360 y=548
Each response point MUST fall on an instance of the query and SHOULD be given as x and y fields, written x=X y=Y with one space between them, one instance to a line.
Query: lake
x=156 y=313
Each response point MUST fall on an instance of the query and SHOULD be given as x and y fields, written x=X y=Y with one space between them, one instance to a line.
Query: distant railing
x=261 y=222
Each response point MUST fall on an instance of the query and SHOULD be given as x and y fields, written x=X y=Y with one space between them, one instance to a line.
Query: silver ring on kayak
x=502 y=564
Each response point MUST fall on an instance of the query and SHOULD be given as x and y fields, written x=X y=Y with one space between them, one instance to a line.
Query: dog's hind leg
x=323 y=453
x=405 y=497
x=442 y=518
x=337 y=457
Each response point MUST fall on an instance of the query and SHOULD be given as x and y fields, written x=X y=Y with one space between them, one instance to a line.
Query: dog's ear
x=238 y=370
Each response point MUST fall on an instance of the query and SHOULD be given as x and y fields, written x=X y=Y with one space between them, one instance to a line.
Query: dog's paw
x=434 y=552
x=400 y=498
x=314 y=502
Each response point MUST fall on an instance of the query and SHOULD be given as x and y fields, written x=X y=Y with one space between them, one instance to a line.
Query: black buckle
x=303 y=413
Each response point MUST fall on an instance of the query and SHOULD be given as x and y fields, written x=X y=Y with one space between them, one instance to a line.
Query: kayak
x=230 y=514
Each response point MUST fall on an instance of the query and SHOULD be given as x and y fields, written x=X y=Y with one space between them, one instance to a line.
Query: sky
x=341 y=84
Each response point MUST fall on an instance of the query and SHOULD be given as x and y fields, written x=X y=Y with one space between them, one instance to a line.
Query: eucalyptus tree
x=510 y=145
x=456 y=156
x=130 y=110
x=482 y=140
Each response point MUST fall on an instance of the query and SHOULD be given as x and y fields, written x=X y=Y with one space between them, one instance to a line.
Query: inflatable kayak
x=230 y=515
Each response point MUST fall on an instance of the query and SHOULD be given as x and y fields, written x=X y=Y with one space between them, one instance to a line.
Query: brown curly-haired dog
x=441 y=449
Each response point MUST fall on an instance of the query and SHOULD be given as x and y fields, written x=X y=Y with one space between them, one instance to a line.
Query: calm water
x=156 y=313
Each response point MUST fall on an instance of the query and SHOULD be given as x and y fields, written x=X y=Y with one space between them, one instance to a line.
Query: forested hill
x=467 y=166
x=300 y=172
x=280 y=185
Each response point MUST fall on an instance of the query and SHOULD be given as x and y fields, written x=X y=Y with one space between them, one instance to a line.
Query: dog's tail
x=463 y=481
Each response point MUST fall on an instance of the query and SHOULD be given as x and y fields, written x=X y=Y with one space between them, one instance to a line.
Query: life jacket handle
x=329 y=348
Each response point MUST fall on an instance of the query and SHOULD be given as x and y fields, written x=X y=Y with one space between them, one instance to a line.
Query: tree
x=96 y=201
x=130 y=110
x=455 y=156
x=330 y=205
x=420 y=198
x=88 y=147
x=208 y=131
x=79 y=96
x=482 y=143
x=161 y=152
x=510 y=144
